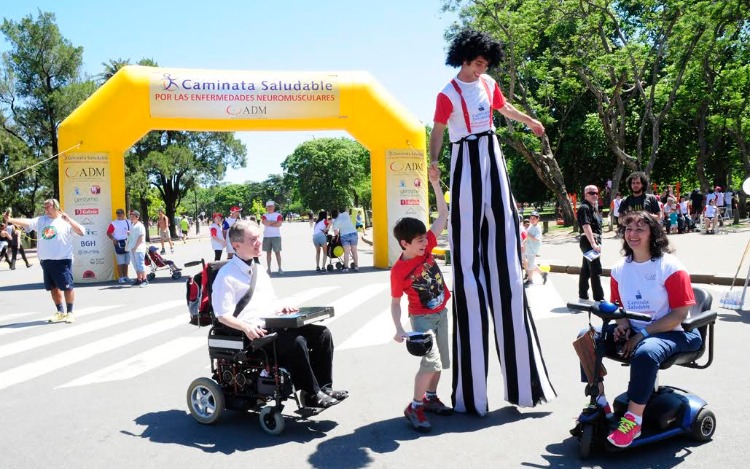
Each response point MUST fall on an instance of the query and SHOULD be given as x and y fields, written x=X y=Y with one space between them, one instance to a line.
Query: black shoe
x=320 y=400
x=544 y=278
x=338 y=395
x=137 y=283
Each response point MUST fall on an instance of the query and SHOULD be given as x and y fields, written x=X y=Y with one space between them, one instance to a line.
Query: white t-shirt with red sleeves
x=272 y=231
x=449 y=109
x=654 y=287
x=217 y=236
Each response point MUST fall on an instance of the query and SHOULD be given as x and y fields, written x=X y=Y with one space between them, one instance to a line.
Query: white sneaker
x=281 y=272
x=121 y=280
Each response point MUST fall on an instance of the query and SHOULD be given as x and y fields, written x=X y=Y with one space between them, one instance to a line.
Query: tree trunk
x=546 y=168
x=144 y=217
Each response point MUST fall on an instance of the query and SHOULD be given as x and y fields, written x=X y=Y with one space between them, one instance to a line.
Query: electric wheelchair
x=245 y=374
x=670 y=411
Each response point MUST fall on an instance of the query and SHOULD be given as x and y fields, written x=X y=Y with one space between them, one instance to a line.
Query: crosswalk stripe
x=348 y=303
x=141 y=363
x=377 y=331
x=57 y=361
x=543 y=300
x=10 y=317
x=11 y=328
x=79 y=329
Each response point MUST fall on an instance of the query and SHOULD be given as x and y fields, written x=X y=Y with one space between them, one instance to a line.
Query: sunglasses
x=592 y=193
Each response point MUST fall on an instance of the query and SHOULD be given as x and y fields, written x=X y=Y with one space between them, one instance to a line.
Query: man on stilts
x=484 y=234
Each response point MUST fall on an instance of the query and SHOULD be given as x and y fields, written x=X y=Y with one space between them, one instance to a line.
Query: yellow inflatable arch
x=139 y=99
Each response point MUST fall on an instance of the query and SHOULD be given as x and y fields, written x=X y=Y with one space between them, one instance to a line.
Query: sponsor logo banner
x=86 y=196
x=228 y=94
x=406 y=186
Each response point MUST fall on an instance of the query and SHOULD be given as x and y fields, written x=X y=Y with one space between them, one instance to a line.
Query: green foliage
x=326 y=172
x=40 y=85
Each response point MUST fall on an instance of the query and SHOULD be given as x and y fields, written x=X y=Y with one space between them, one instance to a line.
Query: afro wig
x=470 y=44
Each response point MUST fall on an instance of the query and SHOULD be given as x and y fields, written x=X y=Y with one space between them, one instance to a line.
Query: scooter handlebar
x=607 y=310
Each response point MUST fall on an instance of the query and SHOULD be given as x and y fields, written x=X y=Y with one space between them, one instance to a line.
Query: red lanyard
x=463 y=101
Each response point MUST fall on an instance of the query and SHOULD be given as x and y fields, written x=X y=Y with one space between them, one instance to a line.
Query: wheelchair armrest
x=260 y=342
x=703 y=319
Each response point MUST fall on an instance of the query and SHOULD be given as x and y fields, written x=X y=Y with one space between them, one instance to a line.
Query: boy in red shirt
x=416 y=274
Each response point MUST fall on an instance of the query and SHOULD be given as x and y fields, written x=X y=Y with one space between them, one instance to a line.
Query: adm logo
x=169 y=83
x=82 y=172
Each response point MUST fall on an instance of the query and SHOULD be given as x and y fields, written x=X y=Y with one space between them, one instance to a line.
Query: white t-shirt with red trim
x=449 y=110
x=654 y=287
x=272 y=231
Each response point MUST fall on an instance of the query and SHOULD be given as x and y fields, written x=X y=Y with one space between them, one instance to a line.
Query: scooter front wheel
x=586 y=440
x=704 y=425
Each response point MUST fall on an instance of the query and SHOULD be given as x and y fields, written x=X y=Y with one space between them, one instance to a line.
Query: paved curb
x=708 y=279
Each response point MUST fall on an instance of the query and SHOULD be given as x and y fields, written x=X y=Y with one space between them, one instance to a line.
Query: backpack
x=198 y=294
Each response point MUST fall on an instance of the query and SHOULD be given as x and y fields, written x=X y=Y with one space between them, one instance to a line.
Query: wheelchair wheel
x=151 y=276
x=271 y=420
x=176 y=275
x=339 y=265
x=329 y=268
x=704 y=425
x=205 y=399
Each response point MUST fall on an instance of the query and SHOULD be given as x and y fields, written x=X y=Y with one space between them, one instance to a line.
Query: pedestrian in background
x=162 y=223
x=272 y=221
x=590 y=222
x=136 y=245
x=533 y=246
x=320 y=240
x=344 y=228
x=218 y=241
x=118 y=231
x=16 y=245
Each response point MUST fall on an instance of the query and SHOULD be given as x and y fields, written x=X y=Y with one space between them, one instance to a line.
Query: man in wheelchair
x=306 y=352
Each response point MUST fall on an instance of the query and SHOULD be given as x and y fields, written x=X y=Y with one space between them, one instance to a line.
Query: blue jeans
x=648 y=355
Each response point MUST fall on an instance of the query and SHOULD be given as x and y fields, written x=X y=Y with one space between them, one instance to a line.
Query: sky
x=399 y=42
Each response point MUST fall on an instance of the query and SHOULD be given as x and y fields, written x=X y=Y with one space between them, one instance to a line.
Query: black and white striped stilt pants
x=486 y=251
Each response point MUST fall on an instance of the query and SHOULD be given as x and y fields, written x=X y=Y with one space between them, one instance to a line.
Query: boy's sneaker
x=57 y=317
x=417 y=419
x=162 y=251
x=144 y=284
x=436 y=406
x=345 y=270
x=625 y=433
x=70 y=318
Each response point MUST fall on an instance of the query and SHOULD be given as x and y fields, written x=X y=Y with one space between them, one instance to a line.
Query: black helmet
x=419 y=343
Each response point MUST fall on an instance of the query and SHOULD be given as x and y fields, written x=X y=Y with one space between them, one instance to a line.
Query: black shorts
x=58 y=273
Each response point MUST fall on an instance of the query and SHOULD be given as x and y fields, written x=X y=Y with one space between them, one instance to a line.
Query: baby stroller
x=335 y=251
x=154 y=259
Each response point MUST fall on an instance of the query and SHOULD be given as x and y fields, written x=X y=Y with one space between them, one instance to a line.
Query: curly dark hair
x=638 y=175
x=658 y=241
x=469 y=44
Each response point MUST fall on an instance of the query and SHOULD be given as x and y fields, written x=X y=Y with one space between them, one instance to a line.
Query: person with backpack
x=306 y=352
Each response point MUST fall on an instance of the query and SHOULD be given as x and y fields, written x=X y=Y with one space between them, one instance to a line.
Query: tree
x=177 y=161
x=525 y=83
x=327 y=171
x=40 y=87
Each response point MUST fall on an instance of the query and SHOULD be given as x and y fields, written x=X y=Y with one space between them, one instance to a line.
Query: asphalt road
x=109 y=390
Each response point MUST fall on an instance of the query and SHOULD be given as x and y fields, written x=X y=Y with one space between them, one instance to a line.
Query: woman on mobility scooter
x=307 y=352
x=648 y=280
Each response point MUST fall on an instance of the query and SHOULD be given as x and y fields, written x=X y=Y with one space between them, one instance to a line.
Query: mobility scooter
x=670 y=411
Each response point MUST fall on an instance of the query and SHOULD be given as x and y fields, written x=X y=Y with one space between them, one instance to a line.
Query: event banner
x=228 y=94
x=406 y=189
x=86 y=198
